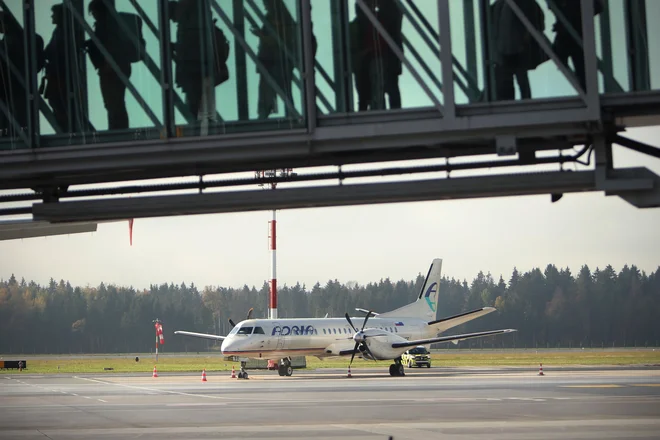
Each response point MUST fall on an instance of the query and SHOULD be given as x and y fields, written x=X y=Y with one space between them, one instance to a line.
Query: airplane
x=387 y=337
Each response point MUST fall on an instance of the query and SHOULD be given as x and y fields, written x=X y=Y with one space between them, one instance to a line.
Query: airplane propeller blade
x=232 y=323
x=369 y=351
x=353 y=355
x=366 y=318
x=249 y=315
x=363 y=342
x=348 y=318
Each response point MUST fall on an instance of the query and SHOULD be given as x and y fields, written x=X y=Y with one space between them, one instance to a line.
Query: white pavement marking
x=101 y=400
x=196 y=404
x=149 y=389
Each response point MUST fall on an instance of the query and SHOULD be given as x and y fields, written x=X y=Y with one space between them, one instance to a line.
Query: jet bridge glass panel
x=14 y=119
x=376 y=55
x=506 y=50
x=222 y=67
x=102 y=75
x=628 y=46
x=237 y=65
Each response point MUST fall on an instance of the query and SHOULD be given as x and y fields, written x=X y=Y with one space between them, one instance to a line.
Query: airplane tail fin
x=426 y=305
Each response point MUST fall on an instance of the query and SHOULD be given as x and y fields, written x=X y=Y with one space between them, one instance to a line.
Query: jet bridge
x=292 y=101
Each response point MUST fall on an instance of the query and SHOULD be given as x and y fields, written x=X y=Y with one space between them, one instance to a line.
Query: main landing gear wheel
x=397 y=370
x=285 y=368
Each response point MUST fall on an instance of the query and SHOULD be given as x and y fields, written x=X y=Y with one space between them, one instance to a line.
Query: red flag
x=159 y=332
x=130 y=231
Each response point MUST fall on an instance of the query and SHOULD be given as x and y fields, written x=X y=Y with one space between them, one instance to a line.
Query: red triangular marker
x=130 y=231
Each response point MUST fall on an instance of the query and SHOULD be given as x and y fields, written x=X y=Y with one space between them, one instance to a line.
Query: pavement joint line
x=150 y=389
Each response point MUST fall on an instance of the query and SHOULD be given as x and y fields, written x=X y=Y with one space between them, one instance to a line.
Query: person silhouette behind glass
x=516 y=50
x=12 y=71
x=272 y=54
x=391 y=17
x=113 y=89
x=54 y=82
x=565 y=46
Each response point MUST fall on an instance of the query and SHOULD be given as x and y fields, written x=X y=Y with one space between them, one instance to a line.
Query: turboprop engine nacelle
x=380 y=344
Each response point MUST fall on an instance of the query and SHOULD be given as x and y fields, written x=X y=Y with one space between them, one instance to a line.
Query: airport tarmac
x=325 y=404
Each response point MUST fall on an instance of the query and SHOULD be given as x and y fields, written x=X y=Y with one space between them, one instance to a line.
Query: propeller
x=359 y=337
x=249 y=316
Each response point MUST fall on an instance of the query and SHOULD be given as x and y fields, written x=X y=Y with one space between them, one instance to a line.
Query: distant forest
x=550 y=308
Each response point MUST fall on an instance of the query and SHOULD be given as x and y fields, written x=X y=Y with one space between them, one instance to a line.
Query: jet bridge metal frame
x=446 y=131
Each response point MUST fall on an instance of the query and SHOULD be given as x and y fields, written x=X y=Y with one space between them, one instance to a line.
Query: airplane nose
x=226 y=345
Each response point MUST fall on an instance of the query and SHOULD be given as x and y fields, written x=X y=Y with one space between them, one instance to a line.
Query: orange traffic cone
x=204 y=375
x=233 y=372
x=155 y=374
x=541 y=370
x=349 y=371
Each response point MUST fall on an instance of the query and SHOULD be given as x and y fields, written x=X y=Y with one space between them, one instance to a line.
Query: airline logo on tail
x=433 y=288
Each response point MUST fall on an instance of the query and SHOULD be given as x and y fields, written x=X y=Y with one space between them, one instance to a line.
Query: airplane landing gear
x=396 y=369
x=243 y=374
x=285 y=368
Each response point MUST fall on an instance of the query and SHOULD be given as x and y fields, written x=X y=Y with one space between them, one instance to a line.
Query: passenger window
x=259 y=330
x=323 y=331
x=334 y=330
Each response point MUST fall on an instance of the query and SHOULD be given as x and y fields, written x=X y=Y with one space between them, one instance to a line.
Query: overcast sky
x=362 y=243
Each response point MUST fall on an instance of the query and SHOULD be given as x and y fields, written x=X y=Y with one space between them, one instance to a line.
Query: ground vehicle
x=416 y=357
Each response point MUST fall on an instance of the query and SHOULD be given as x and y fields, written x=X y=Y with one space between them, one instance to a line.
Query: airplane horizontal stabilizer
x=200 y=335
x=450 y=338
x=444 y=324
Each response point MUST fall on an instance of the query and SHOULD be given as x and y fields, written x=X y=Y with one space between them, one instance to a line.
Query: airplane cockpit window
x=259 y=331
x=245 y=330
x=233 y=331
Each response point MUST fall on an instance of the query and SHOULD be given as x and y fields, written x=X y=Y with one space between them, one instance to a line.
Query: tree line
x=550 y=308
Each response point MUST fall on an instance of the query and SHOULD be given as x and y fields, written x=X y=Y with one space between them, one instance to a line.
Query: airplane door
x=280 y=339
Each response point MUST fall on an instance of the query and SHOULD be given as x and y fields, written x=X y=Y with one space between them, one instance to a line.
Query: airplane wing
x=446 y=323
x=454 y=338
x=200 y=335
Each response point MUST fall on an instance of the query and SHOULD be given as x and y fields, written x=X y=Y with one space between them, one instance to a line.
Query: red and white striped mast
x=272 y=302
x=272 y=239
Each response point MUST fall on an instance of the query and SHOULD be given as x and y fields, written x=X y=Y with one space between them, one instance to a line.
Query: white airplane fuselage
x=321 y=337
x=383 y=336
